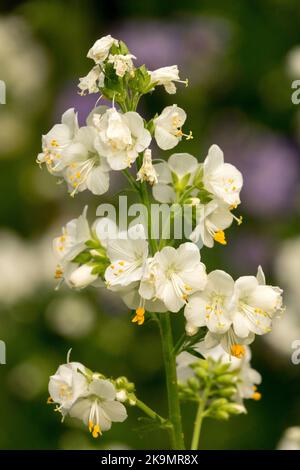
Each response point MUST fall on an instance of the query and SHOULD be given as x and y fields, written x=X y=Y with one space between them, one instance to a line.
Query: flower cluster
x=88 y=396
x=154 y=278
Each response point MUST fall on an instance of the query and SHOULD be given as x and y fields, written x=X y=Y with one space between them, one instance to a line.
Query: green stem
x=149 y=412
x=199 y=420
x=175 y=431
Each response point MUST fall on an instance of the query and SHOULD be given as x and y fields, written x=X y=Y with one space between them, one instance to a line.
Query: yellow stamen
x=220 y=237
x=49 y=401
x=121 y=263
x=256 y=396
x=58 y=273
x=91 y=425
x=238 y=350
x=140 y=316
x=96 y=431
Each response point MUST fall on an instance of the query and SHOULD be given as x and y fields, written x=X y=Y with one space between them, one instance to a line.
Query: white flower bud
x=82 y=277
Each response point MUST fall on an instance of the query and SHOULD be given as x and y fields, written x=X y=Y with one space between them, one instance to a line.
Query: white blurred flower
x=92 y=81
x=166 y=76
x=290 y=439
x=167 y=127
x=147 y=171
x=222 y=179
x=180 y=169
x=72 y=317
x=179 y=273
x=99 y=408
x=293 y=63
x=122 y=63
x=100 y=49
x=121 y=137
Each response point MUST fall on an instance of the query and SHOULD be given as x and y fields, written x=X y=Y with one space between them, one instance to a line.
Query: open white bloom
x=128 y=254
x=233 y=344
x=121 y=137
x=99 y=408
x=255 y=305
x=166 y=76
x=167 y=127
x=68 y=245
x=56 y=142
x=179 y=273
x=122 y=63
x=92 y=81
x=100 y=50
x=212 y=306
x=147 y=171
x=180 y=169
x=213 y=219
x=222 y=179
x=87 y=169
x=67 y=385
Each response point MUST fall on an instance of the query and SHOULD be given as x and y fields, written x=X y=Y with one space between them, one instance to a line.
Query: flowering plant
x=157 y=270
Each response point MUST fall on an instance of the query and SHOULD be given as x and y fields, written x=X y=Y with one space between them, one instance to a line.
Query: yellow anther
x=139 y=318
x=184 y=296
x=238 y=350
x=96 y=431
x=58 y=273
x=121 y=271
x=49 y=401
x=256 y=396
x=121 y=263
x=220 y=237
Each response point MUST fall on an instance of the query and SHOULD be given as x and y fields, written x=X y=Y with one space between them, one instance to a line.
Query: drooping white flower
x=214 y=218
x=128 y=254
x=67 y=385
x=100 y=50
x=233 y=344
x=167 y=127
x=99 y=408
x=147 y=171
x=212 y=306
x=121 y=137
x=57 y=141
x=166 y=76
x=255 y=305
x=92 y=81
x=87 y=169
x=122 y=63
x=222 y=179
x=179 y=273
x=180 y=169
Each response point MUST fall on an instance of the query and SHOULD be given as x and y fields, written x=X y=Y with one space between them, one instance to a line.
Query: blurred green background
x=240 y=58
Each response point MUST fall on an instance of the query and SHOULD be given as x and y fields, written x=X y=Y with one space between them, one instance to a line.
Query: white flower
x=293 y=62
x=179 y=274
x=121 y=137
x=255 y=305
x=211 y=307
x=147 y=171
x=128 y=256
x=87 y=169
x=180 y=168
x=99 y=408
x=122 y=63
x=100 y=50
x=167 y=127
x=55 y=143
x=68 y=245
x=222 y=179
x=214 y=218
x=166 y=76
x=92 y=81
x=67 y=385
x=290 y=439
x=82 y=277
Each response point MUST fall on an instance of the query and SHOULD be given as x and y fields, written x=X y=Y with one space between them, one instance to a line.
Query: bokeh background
x=240 y=58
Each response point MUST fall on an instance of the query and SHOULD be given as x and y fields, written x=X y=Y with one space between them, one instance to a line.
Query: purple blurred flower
x=270 y=164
